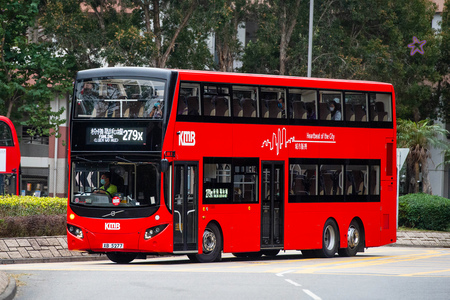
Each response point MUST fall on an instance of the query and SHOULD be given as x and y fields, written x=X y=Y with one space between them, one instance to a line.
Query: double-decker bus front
x=9 y=158
x=117 y=124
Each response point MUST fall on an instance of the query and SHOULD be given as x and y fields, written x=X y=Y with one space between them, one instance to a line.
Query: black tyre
x=309 y=253
x=271 y=253
x=212 y=245
x=330 y=239
x=121 y=257
x=355 y=239
x=240 y=254
x=257 y=254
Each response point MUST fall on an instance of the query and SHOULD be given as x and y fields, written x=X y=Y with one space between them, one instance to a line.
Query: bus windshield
x=119 y=98
x=115 y=184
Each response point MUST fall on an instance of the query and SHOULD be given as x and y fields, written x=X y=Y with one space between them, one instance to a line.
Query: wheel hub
x=209 y=241
x=352 y=237
x=329 y=237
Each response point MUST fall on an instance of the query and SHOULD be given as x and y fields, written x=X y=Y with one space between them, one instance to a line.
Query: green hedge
x=22 y=216
x=423 y=211
x=11 y=206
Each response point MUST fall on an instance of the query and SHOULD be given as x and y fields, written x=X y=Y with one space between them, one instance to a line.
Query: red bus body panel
x=12 y=153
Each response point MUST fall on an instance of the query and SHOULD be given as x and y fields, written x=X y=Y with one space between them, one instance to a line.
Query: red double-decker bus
x=9 y=158
x=200 y=163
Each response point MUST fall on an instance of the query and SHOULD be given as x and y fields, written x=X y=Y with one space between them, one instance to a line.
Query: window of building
x=28 y=138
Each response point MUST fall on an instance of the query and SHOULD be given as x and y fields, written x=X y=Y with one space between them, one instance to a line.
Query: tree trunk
x=286 y=33
x=165 y=57
x=157 y=32
x=416 y=176
x=426 y=186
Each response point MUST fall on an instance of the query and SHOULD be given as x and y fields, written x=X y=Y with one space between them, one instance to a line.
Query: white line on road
x=285 y=272
x=293 y=282
x=312 y=295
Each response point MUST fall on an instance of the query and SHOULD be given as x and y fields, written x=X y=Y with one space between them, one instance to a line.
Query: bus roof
x=239 y=78
x=291 y=81
x=125 y=71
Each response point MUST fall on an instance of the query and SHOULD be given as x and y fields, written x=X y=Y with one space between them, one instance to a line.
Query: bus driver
x=107 y=188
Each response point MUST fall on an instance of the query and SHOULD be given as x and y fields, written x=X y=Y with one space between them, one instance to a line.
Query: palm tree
x=419 y=137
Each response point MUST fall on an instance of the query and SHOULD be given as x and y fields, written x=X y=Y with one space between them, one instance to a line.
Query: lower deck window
x=327 y=180
x=227 y=180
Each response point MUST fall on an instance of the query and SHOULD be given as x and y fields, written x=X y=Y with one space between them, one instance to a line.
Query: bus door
x=272 y=198
x=185 y=207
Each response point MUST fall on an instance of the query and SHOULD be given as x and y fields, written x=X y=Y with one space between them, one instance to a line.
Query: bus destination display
x=117 y=136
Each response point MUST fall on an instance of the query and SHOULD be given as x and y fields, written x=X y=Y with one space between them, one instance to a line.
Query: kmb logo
x=186 y=138
x=112 y=226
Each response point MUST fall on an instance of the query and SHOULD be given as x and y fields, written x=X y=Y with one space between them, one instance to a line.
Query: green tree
x=356 y=39
x=226 y=18
x=419 y=137
x=270 y=53
x=129 y=32
x=31 y=74
x=443 y=66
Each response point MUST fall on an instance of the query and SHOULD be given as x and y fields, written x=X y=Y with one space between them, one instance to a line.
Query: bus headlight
x=151 y=232
x=76 y=231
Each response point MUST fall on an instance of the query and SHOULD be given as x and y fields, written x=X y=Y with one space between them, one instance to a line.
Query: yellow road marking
x=425 y=273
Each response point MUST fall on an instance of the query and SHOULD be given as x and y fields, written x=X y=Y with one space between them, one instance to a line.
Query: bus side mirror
x=164 y=166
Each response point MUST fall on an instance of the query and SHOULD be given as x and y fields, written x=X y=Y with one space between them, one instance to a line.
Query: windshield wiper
x=85 y=159
x=125 y=160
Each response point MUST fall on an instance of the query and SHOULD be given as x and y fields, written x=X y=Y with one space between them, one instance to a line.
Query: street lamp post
x=310 y=39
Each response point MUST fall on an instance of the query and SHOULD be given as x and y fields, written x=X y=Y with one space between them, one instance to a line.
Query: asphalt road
x=379 y=273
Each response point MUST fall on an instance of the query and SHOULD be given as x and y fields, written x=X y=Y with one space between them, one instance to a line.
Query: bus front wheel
x=211 y=244
x=121 y=257
x=355 y=238
x=330 y=239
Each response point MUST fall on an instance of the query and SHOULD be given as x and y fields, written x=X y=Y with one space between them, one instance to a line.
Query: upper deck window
x=245 y=102
x=6 y=138
x=356 y=107
x=330 y=105
x=303 y=104
x=120 y=98
x=189 y=99
x=273 y=103
x=216 y=100
x=380 y=107
x=257 y=104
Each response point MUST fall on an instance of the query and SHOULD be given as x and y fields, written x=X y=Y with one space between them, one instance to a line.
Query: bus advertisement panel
x=9 y=158
x=200 y=163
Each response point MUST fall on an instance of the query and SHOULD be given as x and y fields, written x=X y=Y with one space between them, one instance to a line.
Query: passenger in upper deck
x=108 y=188
x=281 y=106
x=335 y=112
x=156 y=112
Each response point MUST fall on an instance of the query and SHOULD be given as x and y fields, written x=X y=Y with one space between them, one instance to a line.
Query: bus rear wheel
x=355 y=238
x=121 y=257
x=211 y=244
x=330 y=239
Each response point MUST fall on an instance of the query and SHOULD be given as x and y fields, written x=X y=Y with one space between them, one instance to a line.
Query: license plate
x=112 y=246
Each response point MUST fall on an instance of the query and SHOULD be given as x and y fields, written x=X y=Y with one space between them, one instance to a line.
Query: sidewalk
x=54 y=249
